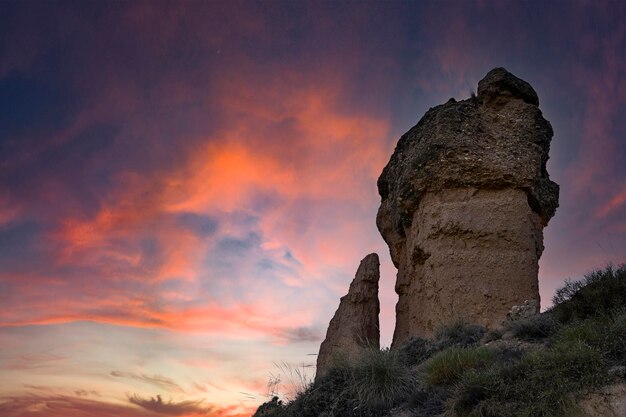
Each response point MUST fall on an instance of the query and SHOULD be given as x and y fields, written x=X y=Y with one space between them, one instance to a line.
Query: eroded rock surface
x=465 y=198
x=523 y=311
x=355 y=324
x=608 y=402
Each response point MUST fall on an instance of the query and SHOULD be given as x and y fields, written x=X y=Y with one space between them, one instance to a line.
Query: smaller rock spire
x=355 y=324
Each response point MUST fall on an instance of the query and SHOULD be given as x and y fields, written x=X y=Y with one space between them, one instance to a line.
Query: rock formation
x=523 y=311
x=355 y=323
x=609 y=402
x=465 y=198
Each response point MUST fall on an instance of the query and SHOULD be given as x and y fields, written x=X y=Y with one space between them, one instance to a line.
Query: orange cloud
x=613 y=204
x=298 y=145
x=294 y=145
x=240 y=320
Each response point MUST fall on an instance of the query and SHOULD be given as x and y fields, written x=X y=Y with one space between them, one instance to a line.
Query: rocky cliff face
x=465 y=198
x=355 y=323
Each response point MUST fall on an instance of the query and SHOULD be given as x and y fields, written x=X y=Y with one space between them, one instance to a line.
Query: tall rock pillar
x=355 y=324
x=465 y=198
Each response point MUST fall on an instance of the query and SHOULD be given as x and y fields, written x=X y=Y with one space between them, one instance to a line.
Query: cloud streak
x=67 y=406
x=155 y=380
x=183 y=408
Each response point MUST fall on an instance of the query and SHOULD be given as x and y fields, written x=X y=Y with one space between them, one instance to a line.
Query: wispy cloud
x=170 y=408
x=26 y=362
x=67 y=406
x=87 y=393
x=187 y=223
x=155 y=380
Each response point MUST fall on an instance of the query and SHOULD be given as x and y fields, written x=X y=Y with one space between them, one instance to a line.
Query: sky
x=187 y=187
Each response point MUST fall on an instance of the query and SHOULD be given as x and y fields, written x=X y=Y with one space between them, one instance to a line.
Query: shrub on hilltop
x=601 y=292
x=538 y=385
x=272 y=408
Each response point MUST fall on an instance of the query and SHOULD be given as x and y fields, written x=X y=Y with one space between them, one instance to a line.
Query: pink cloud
x=613 y=204
x=294 y=142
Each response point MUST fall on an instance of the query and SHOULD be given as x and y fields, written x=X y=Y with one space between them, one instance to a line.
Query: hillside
x=568 y=361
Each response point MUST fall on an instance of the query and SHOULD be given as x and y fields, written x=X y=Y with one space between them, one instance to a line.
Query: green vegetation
x=380 y=380
x=458 y=334
x=600 y=293
x=538 y=385
x=416 y=350
x=606 y=335
x=448 y=366
x=374 y=383
x=534 y=368
x=535 y=328
x=330 y=397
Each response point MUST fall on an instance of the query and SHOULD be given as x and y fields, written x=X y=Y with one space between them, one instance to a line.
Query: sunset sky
x=187 y=188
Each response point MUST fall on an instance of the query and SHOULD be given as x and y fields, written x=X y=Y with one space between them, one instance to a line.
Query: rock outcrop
x=465 y=198
x=608 y=402
x=355 y=324
x=523 y=311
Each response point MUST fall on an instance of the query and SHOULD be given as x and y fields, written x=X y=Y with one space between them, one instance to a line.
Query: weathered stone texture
x=524 y=311
x=355 y=324
x=465 y=197
x=608 y=402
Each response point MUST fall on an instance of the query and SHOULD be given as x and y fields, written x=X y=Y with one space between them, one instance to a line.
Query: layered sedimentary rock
x=355 y=324
x=465 y=198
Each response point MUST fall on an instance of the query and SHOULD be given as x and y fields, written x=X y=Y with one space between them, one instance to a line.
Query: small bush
x=602 y=292
x=329 y=396
x=380 y=380
x=428 y=401
x=590 y=332
x=537 y=327
x=540 y=384
x=607 y=335
x=575 y=364
x=492 y=335
x=370 y=386
x=471 y=395
x=616 y=348
x=273 y=408
x=448 y=366
x=415 y=351
x=507 y=354
x=458 y=334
